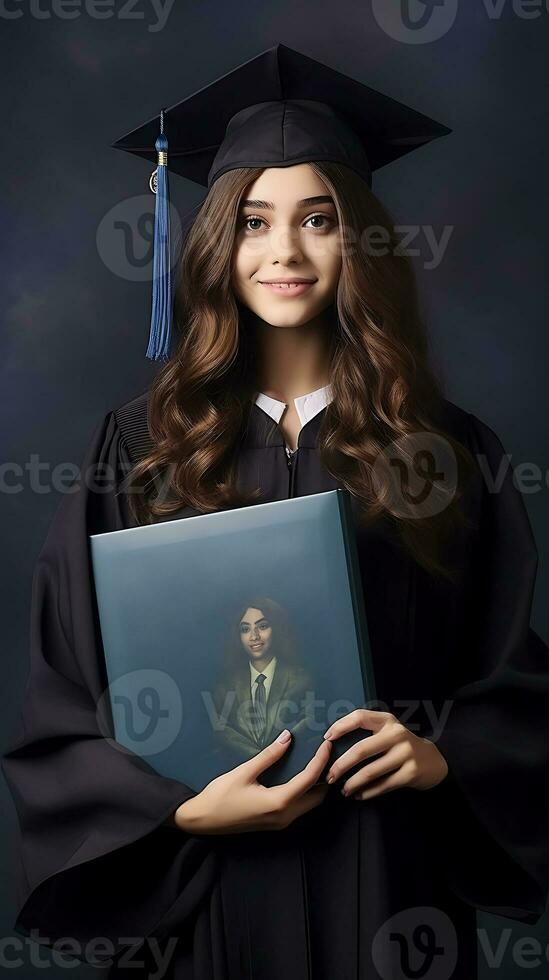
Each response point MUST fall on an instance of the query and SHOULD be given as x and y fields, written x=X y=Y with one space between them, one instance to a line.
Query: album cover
x=221 y=630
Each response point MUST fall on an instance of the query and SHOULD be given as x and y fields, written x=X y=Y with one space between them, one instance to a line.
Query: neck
x=293 y=361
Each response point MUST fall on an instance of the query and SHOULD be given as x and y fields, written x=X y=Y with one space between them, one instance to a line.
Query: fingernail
x=284 y=736
x=344 y=792
x=330 y=778
x=327 y=734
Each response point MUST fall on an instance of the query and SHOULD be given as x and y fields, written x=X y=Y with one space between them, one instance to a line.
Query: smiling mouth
x=286 y=282
x=288 y=288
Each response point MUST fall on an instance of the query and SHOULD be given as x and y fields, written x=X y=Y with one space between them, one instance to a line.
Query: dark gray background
x=75 y=332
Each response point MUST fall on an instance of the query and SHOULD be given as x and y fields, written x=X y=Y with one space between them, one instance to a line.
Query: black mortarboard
x=278 y=109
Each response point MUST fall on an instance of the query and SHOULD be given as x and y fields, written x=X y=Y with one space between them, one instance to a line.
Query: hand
x=236 y=802
x=406 y=760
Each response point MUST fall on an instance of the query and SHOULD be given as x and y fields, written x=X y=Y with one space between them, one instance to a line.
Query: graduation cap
x=278 y=109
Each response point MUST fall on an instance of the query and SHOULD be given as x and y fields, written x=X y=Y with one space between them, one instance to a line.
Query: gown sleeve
x=95 y=857
x=493 y=825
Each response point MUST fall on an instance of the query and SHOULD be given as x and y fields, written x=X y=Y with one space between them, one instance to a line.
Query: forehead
x=252 y=614
x=286 y=184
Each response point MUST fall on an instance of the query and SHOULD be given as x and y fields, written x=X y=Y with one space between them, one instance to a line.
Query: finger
x=265 y=757
x=368 y=746
x=372 y=771
x=395 y=780
x=304 y=780
x=367 y=718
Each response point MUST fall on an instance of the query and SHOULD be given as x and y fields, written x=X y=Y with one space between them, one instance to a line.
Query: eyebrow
x=246 y=622
x=304 y=203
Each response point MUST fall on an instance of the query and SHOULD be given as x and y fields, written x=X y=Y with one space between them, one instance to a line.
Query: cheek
x=238 y=272
x=334 y=270
x=246 y=257
x=328 y=259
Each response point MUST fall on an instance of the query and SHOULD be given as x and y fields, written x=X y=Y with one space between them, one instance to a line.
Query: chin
x=287 y=318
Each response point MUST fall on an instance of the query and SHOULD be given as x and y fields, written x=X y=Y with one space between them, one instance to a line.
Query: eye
x=264 y=626
x=327 y=221
x=245 y=224
x=244 y=628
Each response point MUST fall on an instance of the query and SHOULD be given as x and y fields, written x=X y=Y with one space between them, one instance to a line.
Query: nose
x=284 y=244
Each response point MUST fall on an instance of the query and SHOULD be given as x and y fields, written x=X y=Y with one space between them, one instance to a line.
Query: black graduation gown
x=340 y=892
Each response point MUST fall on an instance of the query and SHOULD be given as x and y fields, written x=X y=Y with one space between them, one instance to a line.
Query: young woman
x=277 y=390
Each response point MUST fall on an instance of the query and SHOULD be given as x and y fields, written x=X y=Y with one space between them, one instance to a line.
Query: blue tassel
x=161 y=314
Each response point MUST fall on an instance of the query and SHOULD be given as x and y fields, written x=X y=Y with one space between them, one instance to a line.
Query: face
x=256 y=634
x=287 y=230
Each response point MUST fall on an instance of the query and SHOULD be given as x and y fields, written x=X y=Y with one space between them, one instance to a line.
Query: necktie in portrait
x=260 y=708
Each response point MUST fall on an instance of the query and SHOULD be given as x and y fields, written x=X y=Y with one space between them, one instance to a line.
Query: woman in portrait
x=263 y=687
x=301 y=365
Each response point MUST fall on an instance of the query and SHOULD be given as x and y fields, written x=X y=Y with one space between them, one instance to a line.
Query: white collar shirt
x=307 y=406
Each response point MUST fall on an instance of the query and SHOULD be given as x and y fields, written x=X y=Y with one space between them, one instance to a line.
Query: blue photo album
x=220 y=630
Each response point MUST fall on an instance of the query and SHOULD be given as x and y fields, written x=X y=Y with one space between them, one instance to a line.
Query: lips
x=288 y=289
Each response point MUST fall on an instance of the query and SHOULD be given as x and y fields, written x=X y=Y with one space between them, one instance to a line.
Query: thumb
x=269 y=754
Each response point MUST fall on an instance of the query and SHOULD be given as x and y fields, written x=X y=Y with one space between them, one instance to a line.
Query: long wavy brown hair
x=386 y=399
